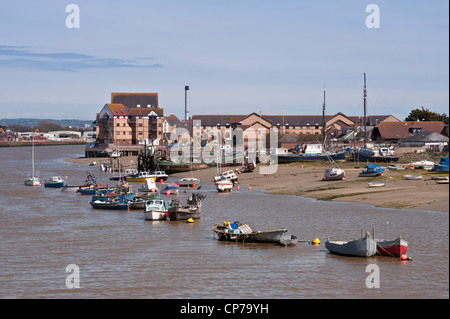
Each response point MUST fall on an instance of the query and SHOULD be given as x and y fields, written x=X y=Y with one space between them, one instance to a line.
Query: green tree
x=424 y=114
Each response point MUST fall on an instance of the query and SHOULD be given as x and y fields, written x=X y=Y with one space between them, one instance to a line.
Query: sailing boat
x=335 y=173
x=32 y=180
x=368 y=154
x=189 y=181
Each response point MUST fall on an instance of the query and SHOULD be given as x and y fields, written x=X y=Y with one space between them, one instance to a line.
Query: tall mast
x=323 y=118
x=365 y=102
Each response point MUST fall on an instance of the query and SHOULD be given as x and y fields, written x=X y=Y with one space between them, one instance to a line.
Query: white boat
x=377 y=184
x=155 y=209
x=412 y=177
x=423 y=164
x=441 y=181
x=334 y=174
x=188 y=182
x=160 y=175
x=224 y=186
x=32 y=180
x=229 y=175
x=149 y=186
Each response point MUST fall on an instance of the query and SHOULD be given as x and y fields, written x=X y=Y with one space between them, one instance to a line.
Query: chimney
x=186 y=103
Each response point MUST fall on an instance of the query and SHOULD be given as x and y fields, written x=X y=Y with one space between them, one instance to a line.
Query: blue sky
x=237 y=56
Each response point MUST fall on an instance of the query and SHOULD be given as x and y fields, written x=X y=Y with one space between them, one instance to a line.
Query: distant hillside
x=30 y=122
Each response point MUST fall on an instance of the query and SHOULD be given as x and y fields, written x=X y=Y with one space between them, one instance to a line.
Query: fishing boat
x=412 y=177
x=141 y=177
x=160 y=175
x=193 y=208
x=188 y=182
x=170 y=190
x=395 y=247
x=149 y=186
x=371 y=170
x=155 y=209
x=363 y=247
x=377 y=184
x=92 y=189
x=32 y=180
x=395 y=167
x=55 y=181
x=442 y=166
x=108 y=203
x=238 y=232
x=224 y=186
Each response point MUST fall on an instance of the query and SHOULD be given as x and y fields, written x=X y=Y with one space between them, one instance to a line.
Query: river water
x=120 y=255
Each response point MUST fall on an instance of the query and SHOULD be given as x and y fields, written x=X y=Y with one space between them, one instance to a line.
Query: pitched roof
x=118 y=109
x=145 y=111
x=401 y=130
x=426 y=137
x=132 y=100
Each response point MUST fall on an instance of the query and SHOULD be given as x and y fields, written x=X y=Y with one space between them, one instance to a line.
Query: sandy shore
x=305 y=179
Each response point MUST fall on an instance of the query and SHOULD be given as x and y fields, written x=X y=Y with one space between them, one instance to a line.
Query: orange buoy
x=295 y=174
x=161 y=181
x=249 y=188
x=403 y=257
x=237 y=187
x=168 y=193
x=193 y=185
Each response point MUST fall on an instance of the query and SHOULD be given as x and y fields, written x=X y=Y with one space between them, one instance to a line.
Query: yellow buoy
x=190 y=220
x=316 y=241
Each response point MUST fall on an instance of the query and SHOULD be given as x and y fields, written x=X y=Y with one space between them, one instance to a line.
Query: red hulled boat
x=395 y=247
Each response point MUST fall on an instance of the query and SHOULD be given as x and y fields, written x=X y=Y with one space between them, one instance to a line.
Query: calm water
x=120 y=255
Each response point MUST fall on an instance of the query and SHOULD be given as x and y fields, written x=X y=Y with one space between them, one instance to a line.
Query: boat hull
x=377 y=184
x=108 y=205
x=155 y=215
x=184 y=213
x=279 y=236
x=32 y=181
x=395 y=247
x=93 y=191
x=363 y=247
x=311 y=157
x=333 y=174
x=55 y=185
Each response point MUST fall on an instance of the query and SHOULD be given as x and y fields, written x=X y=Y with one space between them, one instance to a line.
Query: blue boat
x=371 y=170
x=55 y=181
x=442 y=166
x=120 y=202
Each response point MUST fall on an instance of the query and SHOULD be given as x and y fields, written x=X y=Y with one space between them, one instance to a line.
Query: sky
x=237 y=56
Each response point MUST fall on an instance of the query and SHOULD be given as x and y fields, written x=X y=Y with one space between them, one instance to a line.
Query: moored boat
x=395 y=247
x=412 y=177
x=224 y=186
x=371 y=170
x=188 y=182
x=442 y=166
x=149 y=186
x=193 y=208
x=55 y=181
x=334 y=174
x=238 y=232
x=441 y=181
x=377 y=184
x=141 y=177
x=32 y=180
x=170 y=190
x=362 y=247
x=109 y=204
x=155 y=209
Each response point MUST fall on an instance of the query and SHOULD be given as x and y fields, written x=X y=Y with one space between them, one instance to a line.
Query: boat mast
x=323 y=118
x=365 y=121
